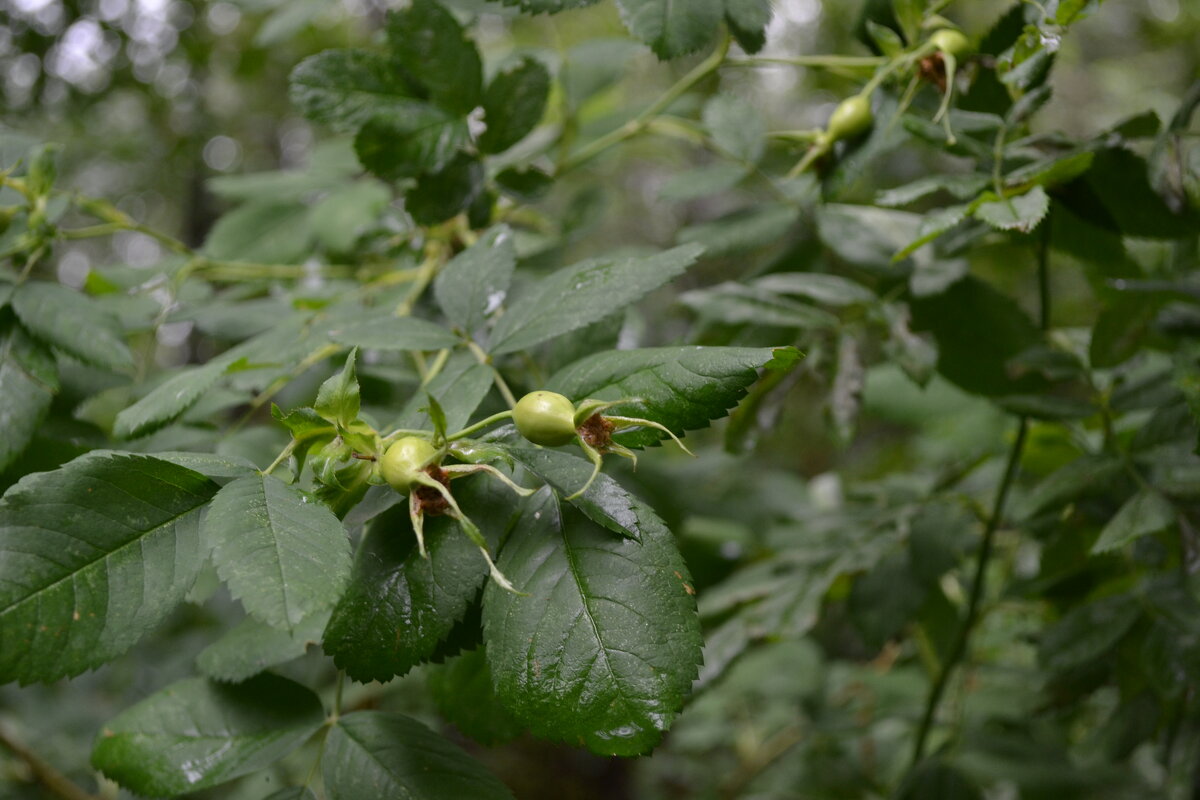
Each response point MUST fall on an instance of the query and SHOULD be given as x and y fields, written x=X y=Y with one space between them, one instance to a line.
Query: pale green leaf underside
x=93 y=556
x=195 y=733
x=286 y=557
x=605 y=648
x=374 y=755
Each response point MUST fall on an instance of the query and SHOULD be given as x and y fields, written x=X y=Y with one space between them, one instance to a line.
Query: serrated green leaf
x=393 y=333
x=513 y=105
x=1020 y=213
x=92 y=557
x=584 y=293
x=399 y=606
x=605 y=502
x=671 y=28
x=407 y=142
x=439 y=196
x=933 y=225
x=1087 y=475
x=432 y=46
x=1145 y=513
x=464 y=694
x=71 y=322
x=195 y=733
x=682 y=388
x=737 y=127
x=284 y=556
x=253 y=646
x=345 y=88
x=28 y=382
x=748 y=21
x=459 y=388
x=605 y=648
x=338 y=399
x=267 y=231
x=476 y=281
x=863 y=235
x=168 y=400
x=374 y=755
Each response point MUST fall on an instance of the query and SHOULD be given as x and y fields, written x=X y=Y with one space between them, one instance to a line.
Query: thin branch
x=44 y=773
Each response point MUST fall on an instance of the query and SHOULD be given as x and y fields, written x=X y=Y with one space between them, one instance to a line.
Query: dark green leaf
x=464 y=694
x=682 y=388
x=748 y=21
x=345 y=88
x=605 y=502
x=1116 y=194
x=195 y=733
x=584 y=293
x=373 y=755
x=438 y=196
x=513 y=105
x=410 y=141
x=475 y=282
x=28 y=382
x=526 y=184
x=1088 y=475
x=960 y=186
x=607 y=645
x=978 y=330
x=400 y=606
x=71 y=322
x=671 y=28
x=1087 y=632
x=283 y=555
x=93 y=556
x=393 y=333
x=432 y=46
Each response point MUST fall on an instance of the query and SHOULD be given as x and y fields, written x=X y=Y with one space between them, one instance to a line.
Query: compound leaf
x=28 y=382
x=71 y=322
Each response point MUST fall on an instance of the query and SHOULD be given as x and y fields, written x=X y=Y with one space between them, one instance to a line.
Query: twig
x=43 y=772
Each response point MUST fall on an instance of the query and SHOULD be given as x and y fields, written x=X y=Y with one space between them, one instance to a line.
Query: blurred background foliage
x=177 y=110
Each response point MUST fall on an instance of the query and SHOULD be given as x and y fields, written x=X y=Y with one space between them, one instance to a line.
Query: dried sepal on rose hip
x=552 y=420
x=412 y=465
